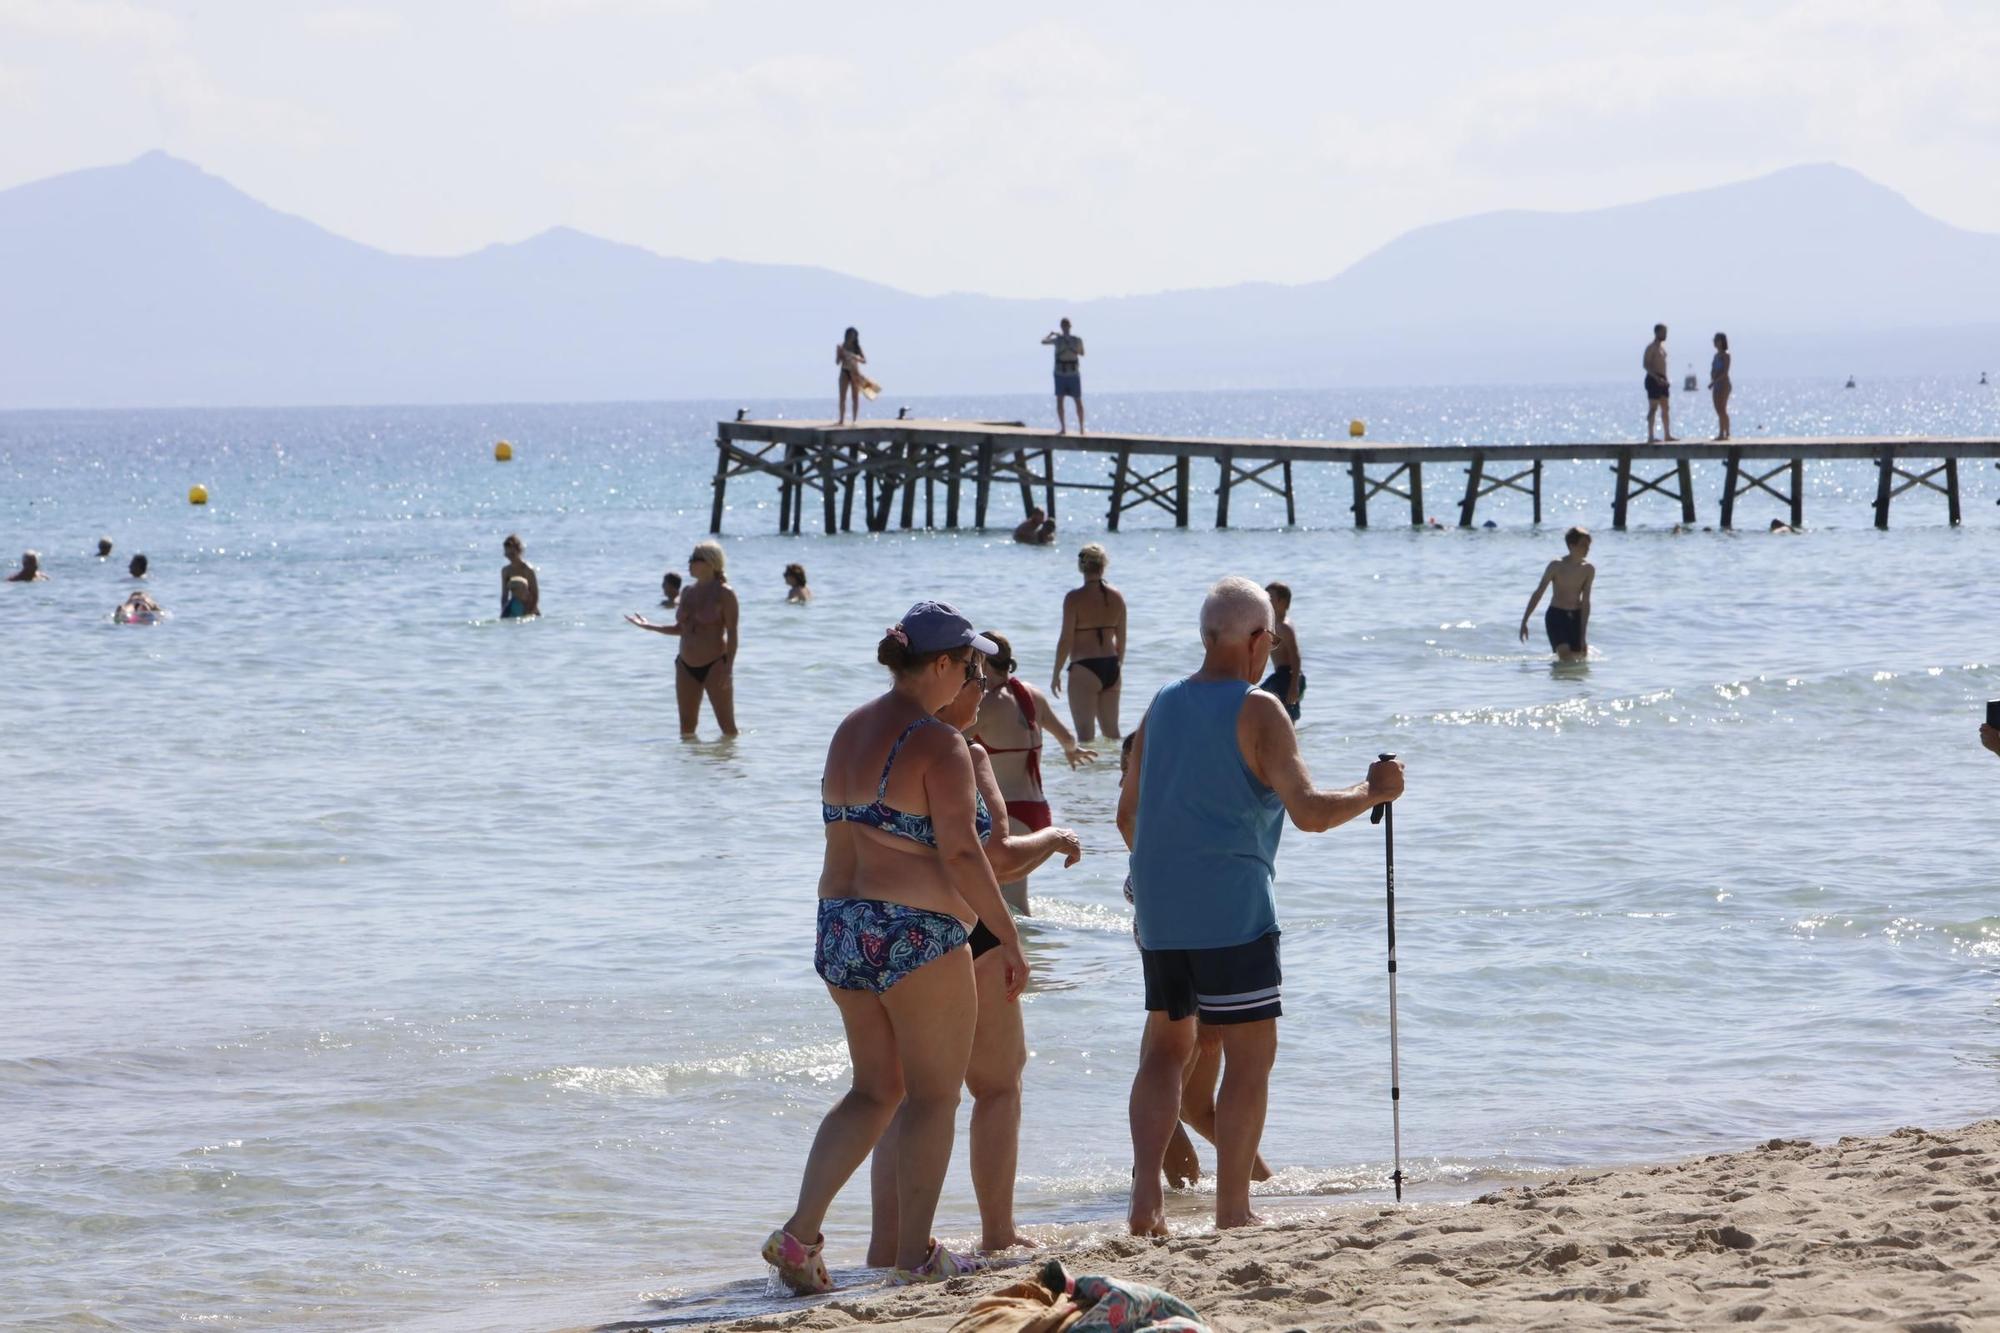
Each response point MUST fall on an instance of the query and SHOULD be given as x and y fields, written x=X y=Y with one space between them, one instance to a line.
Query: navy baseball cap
x=934 y=627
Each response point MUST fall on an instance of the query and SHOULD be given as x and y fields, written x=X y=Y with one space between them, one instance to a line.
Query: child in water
x=1568 y=619
x=517 y=599
x=795 y=584
x=1288 y=678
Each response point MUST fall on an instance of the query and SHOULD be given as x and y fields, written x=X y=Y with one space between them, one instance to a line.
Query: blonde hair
x=1093 y=558
x=712 y=553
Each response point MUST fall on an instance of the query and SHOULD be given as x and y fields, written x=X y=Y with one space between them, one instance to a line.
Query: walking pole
x=1384 y=815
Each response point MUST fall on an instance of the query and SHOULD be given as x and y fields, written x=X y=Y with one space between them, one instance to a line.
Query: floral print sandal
x=939 y=1266
x=799 y=1265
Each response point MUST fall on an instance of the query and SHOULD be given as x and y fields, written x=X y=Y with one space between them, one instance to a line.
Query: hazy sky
x=1067 y=150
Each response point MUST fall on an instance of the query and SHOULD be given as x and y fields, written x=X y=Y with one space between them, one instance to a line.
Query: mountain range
x=155 y=283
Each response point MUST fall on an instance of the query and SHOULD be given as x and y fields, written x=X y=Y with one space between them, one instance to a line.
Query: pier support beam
x=1233 y=472
x=1737 y=481
x=1631 y=487
x=1888 y=487
x=1131 y=488
x=1528 y=481
x=722 y=447
x=1367 y=488
x=982 y=485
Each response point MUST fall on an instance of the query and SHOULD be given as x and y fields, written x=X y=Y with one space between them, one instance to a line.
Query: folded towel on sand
x=1060 y=1303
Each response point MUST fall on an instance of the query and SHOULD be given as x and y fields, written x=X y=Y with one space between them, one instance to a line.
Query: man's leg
x=1155 y=1110
x=1062 y=419
x=1667 y=418
x=1652 y=412
x=1079 y=416
x=1248 y=1051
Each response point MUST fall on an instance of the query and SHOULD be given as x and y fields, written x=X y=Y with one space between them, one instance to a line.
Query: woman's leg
x=882 y=1195
x=840 y=398
x=1083 y=691
x=1015 y=891
x=1107 y=709
x=687 y=695
x=932 y=1011
x=1722 y=412
x=721 y=689
x=857 y=1119
x=999 y=1054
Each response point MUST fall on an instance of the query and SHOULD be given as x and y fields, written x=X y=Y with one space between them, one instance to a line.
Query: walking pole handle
x=1375 y=815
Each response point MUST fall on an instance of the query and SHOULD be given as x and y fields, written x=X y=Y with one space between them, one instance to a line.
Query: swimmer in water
x=31 y=569
x=1567 y=582
x=137 y=569
x=103 y=548
x=138 y=608
x=795 y=584
x=1037 y=529
x=670 y=589
x=516 y=567
x=517 y=600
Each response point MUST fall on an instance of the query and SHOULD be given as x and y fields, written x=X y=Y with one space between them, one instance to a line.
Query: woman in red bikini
x=1009 y=728
x=1092 y=642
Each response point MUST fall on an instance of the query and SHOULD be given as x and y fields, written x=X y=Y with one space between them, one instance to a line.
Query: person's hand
x=1989 y=737
x=635 y=618
x=1055 y=685
x=1014 y=964
x=1385 y=780
x=1524 y=631
x=1070 y=845
x=1076 y=754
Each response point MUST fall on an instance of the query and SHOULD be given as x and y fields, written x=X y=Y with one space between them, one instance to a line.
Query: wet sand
x=1900 y=1231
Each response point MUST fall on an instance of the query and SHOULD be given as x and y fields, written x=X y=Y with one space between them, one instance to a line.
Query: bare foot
x=1015 y=1241
x=1183 y=1166
x=1259 y=1171
x=1651 y=440
x=1224 y=1222
x=1673 y=439
x=1148 y=1214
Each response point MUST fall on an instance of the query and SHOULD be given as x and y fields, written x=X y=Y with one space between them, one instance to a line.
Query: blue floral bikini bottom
x=867 y=944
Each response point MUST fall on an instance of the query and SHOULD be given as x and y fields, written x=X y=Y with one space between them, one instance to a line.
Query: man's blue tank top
x=1206 y=846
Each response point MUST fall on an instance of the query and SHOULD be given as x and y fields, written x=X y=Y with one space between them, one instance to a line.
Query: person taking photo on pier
x=1069 y=376
x=1092 y=642
x=1219 y=770
x=1659 y=389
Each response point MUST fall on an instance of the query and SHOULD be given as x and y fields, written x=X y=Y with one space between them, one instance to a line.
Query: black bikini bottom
x=1104 y=668
x=700 y=673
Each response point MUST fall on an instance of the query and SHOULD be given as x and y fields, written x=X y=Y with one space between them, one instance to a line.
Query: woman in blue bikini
x=905 y=882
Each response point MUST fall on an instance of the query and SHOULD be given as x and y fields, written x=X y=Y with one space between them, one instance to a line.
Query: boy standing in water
x=1568 y=619
x=1288 y=673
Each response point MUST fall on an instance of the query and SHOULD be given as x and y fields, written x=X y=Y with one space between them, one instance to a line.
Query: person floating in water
x=795 y=584
x=1659 y=390
x=1092 y=642
x=137 y=569
x=1781 y=528
x=30 y=570
x=1568 y=583
x=103 y=548
x=1288 y=671
x=1037 y=529
x=670 y=589
x=517 y=599
x=1718 y=385
x=1069 y=377
x=705 y=623
x=516 y=567
x=138 y=608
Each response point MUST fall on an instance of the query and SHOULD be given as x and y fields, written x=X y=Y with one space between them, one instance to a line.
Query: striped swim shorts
x=1241 y=983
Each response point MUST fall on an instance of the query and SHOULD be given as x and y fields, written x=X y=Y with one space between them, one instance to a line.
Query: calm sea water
x=367 y=962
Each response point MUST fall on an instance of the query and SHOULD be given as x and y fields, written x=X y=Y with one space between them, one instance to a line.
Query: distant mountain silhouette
x=156 y=283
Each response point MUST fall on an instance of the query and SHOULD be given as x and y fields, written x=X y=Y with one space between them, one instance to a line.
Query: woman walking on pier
x=853 y=383
x=1092 y=642
x=1718 y=385
x=705 y=623
x=1012 y=717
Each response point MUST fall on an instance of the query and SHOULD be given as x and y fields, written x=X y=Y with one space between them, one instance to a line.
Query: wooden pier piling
x=887 y=460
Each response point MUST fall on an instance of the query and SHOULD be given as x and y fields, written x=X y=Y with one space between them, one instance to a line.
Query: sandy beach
x=1900 y=1231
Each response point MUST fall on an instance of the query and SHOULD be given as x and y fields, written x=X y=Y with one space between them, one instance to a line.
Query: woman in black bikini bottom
x=705 y=624
x=1093 y=680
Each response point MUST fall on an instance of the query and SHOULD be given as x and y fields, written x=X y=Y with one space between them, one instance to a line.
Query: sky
x=1038 y=151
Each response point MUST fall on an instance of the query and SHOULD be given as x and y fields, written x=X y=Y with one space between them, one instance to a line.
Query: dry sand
x=1902 y=1231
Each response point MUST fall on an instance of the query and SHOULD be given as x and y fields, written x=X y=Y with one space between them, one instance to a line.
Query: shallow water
x=370 y=962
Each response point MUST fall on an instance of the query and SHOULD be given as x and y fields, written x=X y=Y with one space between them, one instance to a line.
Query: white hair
x=1234 y=609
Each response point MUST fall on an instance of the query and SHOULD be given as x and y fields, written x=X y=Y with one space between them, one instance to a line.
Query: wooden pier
x=892 y=462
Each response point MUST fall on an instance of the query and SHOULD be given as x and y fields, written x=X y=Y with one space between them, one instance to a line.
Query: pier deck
x=894 y=459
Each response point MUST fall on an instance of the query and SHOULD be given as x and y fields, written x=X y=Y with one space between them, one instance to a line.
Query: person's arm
x=534 y=593
x=1064 y=640
x=503 y=591
x=1048 y=339
x=636 y=619
x=1298 y=656
x=1046 y=713
x=730 y=640
x=1989 y=737
x=1078 y=344
x=1018 y=855
x=948 y=787
x=1583 y=606
x=1119 y=631
x=1271 y=748
x=1128 y=790
x=1534 y=601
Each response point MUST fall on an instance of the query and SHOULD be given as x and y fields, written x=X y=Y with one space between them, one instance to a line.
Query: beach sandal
x=941 y=1265
x=799 y=1265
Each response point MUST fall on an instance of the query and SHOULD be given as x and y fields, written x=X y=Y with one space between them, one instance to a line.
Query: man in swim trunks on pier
x=1069 y=376
x=1568 y=619
x=1659 y=389
x=1219 y=769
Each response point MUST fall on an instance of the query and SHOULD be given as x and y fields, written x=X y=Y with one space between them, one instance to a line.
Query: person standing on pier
x=853 y=382
x=1718 y=385
x=1219 y=770
x=1069 y=377
x=1094 y=651
x=1659 y=389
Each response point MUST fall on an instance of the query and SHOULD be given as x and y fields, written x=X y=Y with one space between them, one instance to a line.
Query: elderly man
x=1219 y=769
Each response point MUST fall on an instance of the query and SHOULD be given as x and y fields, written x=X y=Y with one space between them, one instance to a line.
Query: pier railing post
x=1473 y=474
x=1624 y=493
x=721 y=484
x=1359 y=476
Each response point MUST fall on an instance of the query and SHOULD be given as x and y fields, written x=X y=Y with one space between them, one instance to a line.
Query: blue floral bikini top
x=879 y=814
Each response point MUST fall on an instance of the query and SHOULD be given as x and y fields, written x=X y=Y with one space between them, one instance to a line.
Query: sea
x=368 y=962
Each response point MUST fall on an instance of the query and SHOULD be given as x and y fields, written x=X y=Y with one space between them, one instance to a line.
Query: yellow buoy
x=1357 y=429
x=503 y=452
x=197 y=494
